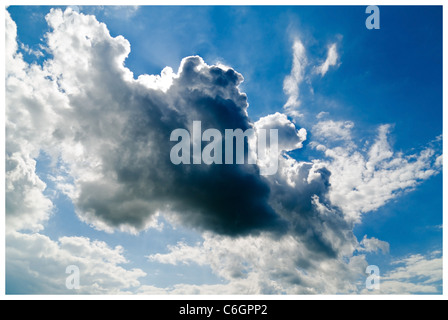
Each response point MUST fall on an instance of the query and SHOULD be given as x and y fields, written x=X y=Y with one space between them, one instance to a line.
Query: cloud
x=290 y=232
x=249 y=286
x=332 y=59
x=289 y=137
x=374 y=245
x=415 y=274
x=28 y=50
x=333 y=130
x=26 y=205
x=113 y=134
x=35 y=264
x=364 y=181
x=292 y=82
x=262 y=265
x=28 y=124
x=121 y=12
x=126 y=12
x=322 y=114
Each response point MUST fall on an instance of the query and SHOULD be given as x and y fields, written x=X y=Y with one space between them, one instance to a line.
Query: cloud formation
x=113 y=133
x=260 y=265
x=414 y=274
x=332 y=59
x=35 y=264
x=291 y=232
x=374 y=245
x=292 y=82
x=333 y=130
x=363 y=181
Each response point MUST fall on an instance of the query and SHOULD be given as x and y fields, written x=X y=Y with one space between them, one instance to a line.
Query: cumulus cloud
x=36 y=264
x=306 y=194
x=29 y=121
x=26 y=206
x=332 y=59
x=113 y=133
x=289 y=137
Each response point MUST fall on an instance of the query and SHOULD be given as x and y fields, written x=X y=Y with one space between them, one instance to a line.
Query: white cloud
x=332 y=59
x=363 y=182
x=262 y=265
x=83 y=105
x=333 y=130
x=30 y=103
x=181 y=253
x=36 y=264
x=292 y=82
x=36 y=104
x=427 y=268
x=252 y=285
x=415 y=274
x=121 y=12
x=26 y=206
x=373 y=245
x=156 y=82
x=322 y=114
x=439 y=161
x=28 y=50
x=289 y=137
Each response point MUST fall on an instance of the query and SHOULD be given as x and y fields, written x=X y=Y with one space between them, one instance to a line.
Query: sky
x=94 y=92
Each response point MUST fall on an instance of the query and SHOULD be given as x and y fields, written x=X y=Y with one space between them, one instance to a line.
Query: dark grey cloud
x=114 y=136
x=113 y=133
x=130 y=137
x=311 y=217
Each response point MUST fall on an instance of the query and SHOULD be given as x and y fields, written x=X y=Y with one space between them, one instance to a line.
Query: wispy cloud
x=374 y=245
x=364 y=181
x=415 y=274
x=332 y=60
x=292 y=82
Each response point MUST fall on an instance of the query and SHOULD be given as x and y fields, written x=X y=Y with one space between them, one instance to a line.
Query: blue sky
x=391 y=76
